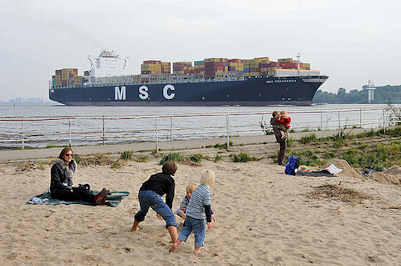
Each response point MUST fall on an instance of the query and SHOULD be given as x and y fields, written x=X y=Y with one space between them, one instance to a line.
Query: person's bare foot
x=196 y=251
x=135 y=226
x=133 y=229
x=173 y=247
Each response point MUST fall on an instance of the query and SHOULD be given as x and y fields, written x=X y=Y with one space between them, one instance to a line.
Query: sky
x=351 y=41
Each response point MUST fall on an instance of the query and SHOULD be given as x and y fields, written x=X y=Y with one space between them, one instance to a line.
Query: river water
x=42 y=125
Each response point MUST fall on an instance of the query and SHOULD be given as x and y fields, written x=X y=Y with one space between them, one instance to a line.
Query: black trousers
x=73 y=195
x=281 y=153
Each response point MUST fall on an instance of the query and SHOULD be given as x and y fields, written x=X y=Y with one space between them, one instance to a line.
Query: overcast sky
x=351 y=41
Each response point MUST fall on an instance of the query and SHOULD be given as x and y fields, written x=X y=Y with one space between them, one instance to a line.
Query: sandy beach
x=264 y=217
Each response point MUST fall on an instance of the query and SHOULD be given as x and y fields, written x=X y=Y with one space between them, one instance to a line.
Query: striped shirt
x=200 y=197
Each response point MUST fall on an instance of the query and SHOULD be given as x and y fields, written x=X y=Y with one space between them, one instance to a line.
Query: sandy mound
x=395 y=170
x=347 y=170
x=390 y=176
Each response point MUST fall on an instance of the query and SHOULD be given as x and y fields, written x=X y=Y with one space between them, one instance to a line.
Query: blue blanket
x=113 y=199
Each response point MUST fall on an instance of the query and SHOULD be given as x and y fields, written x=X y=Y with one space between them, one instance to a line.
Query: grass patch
x=290 y=142
x=309 y=158
x=97 y=160
x=223 y=145
x=335 y=192
x=141 y=159
x=377 y=157
x=28 y=166
x=329 y=155
x=308 y=139
x=116 y=165
x=196 y=157
x=217 y=158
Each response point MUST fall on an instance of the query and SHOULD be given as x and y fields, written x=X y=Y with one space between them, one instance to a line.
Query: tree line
x=382 y=95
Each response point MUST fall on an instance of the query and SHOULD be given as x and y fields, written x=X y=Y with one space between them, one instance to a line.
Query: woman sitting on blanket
x=61 y=187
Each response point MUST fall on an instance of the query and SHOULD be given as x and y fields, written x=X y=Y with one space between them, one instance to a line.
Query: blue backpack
x=291 y=165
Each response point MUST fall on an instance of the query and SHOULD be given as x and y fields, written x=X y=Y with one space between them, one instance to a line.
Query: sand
x=264 y=217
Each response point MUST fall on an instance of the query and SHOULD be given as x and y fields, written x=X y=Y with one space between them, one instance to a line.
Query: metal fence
x=39 y=131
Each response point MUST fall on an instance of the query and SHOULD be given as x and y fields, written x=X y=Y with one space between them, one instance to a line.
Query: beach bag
x=291 y=165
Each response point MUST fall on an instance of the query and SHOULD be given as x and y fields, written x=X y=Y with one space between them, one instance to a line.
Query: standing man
x=280 y=132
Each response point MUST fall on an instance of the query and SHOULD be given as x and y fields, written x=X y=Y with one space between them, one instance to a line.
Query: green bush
x=218 y=157
x=290 y=142
x=172 y=157
x=126 y=155
x=77 y=158
x=196 y=158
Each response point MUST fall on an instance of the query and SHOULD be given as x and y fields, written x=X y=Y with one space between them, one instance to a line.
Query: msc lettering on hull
x=120 y=93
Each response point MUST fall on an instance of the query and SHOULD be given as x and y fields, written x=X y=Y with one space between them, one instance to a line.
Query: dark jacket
x=161 y=184
x=61 y=175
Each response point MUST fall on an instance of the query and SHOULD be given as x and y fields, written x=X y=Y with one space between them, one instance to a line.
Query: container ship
x=209 y=82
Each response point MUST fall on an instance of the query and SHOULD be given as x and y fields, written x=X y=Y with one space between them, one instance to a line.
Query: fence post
x=171 y=128
x=321 y=120
x=103 y=130
x=69 y=130
x=360 y=117
x=339 y=124
x=228 y=131
x=384 y=122
x=157 y=135
x=22 y=133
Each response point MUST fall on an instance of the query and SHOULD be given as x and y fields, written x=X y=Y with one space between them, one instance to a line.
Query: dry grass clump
x=28 y=166
x=141 y=159
x=393 y=207
x=97 y=160
x=338 y=193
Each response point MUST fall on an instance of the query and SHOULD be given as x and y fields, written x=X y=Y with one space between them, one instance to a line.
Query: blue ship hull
x=252 y=91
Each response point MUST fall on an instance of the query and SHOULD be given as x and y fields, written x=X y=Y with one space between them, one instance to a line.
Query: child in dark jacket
x=150 y=196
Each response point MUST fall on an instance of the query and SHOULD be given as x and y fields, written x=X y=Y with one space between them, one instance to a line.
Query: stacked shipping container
x=155 y=67
x=182 y=68
x=67 y=77
x=213 y=67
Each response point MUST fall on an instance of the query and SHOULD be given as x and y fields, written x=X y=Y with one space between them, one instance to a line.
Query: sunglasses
x=68 y=154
